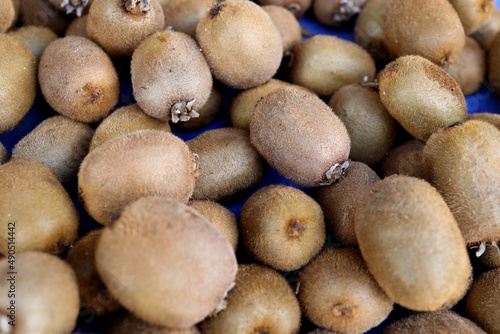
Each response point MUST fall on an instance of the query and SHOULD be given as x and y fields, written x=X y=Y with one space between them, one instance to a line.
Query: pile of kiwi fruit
x=218 y=168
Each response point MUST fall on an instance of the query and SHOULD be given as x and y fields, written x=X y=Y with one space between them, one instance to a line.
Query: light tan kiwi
x=464 y=165
x=421 y=96
x=78 y=27
x=170 y=278
x=142 y=163
x=489 y=30
x=127 y=323
x=241 y=43
x=78 y=79
x=223 y=220
x=297 y=7
x=306 y=149
x=18 y=81
x=7 y=15
x=473 y=13
x=93 y=294
x=491 y=118
x=282 y=227
x=75 y=7
x=42 y=13
x=228 y=163
x=491 y=256
x=262 y=301
x=431 y=29
x=58 y=142
x=45 y=293
x=406 y=159
x=336 y=12
x=34 y=200
x=123 y=121
x=405 y=231
x=494 y=65
x=119 y=26
x=35 y=38
x=339 y=201
x=184 y=15
x=313 y=67
x=170 y=77
x=4 y=154
x=287 y=25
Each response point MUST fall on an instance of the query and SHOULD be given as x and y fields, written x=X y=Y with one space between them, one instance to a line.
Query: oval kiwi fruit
x=287 y=25
x=4 y=154
x=170 y=278
x=127 y=323
x=42 y=13
x=184 y=15
x=78 y=27
x=7 y=15
x=297 y=7
x=489 y=30
x=35 y=38
x=494 y=65
x=491 y=118
x=336 y=12
x=473 y=13
x=406 y=159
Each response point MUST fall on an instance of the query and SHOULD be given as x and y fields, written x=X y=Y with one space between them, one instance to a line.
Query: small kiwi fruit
x=76 y=7
x=7 y=15
x=473 y=13
x=78 y=27
x=489 y=30
x=169 y=277
x=127 y=323
x=184 y=15
x=336 y=12
x=491 y=118
x=287 y=25
x=406 y=159
x=35 y=38
x=494 y=65
x=297 y=7
x=42 y=13
x=4 y=154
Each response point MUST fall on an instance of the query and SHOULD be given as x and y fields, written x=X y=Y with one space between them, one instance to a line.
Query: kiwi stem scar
x=183 y=111
x=74 y=5
x=335 y=173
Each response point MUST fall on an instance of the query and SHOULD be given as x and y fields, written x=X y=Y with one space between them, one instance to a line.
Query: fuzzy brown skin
x=303 y=148
x=143 y=163
x=262 y=302
x=224 y=220
x=335 y=12
x=406 y=159
x=4 y=154
x=297 y=7
x=129 y=324
x=287 y=25
x=160 y=283
x=313 y=67
x=7 y=15
x=93 y=294
x=489 y=30
x=405 y=231
x=494 y=65
x=35 y=38
x=78 y=27
x=75 y=7
x=123 y=121
x=482 y=304
x=473 y=13
x=17 y=81
x=338 y=293
x=491 y=256
x=493 y=119
x=58 y=142
x=434 y=323
x=32 y=197
x=184 y=15
x=170 y=77
x=228 y=163
x=464 y=165
x=42 y=13
x=339 y=201
x=46 y=294
x=119 y=31
x=241 y=43
x=282 y=227
x=421 y=96
x=78 y=79
x=434 y=30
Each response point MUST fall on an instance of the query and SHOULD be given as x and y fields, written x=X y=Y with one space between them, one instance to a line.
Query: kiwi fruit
x=339 y=201
x=93 y=294
x=78 y=27
x=4 y=154
x=405 y=231
x=494 y=65
x=421 y=96
x=35 y=38
x=123 y=121
x=431 y=29
x=482 y=301
x=142 y=163
x=119 y=26
x=228 y=163
x=223 y=220
x=261 y=301
x=406 y=159
x=45 y=294
x=336 y=12
x=306 y=150
x=464 y=164
x=127 y=323
x=78 y=79
x=76 y=7
x=184 y=15
x=287 y=25
x=491 y=118
x=7 y=15
x=241 y=44
x=170 y=77
x=297 y=7
x=42 y=13
x=169 y=277
x=489 y=30
x=491 y=256
x=18 y=81
x=473 y=13
x=313 y=67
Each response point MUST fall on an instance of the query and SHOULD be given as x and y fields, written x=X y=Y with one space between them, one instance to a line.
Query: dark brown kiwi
x=75 y=7
x=42 y=13
x=287 y=25
x=297 y=7
x=491 y=118
x=127 y=323
x=4 y=154
x=494 y=65
x=78 y=27
x=336 y=12
x=7 y=15
x=489 y=30
x=35 y=38
x=406 y=159
x=473 y=13
x=482 y=303
x=184 y=15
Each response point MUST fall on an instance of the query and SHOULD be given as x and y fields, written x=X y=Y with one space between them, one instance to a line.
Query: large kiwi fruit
x=169 y=277
x=7 y=15
x=127 y=323
x=287 y=25
x=184 y=15
x=42 y=13
x=491 y=118
x=78 y=27
x=297 y=7
x=4 y=154
x=406 y=159
x=473 y=13
x=35 y=38
x=489 y=30
x=482 y=303
x=336 y=12
x=494 y=65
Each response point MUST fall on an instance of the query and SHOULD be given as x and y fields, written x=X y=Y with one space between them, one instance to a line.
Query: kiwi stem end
x=481 y=248
x=222 y=302
x=183 y=111
x=74 y=5
x=131 y=6
x=335 y=173
x=346 y=12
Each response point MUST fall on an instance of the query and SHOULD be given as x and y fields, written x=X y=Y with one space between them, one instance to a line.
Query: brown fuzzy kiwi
x=34 y=200
x=170 y=77
x=489 y=30
x=262 y=302
x=7 y=15
x=58 y=142
x=473 y=13
x=78 y=27
x=76 y=7
x=313 y=66
x=123 y=121
x=142 y=163
x=336 y=12
x=4 y=154
x=482 y=304
x=405 y=231
x=18 y=81
x=421 y=96
x=494 y=65
x=224 y=220
x=35 y=38
x=309 y=149
x=430 y=29
x=406 y=159
x=42 y=13
x=491 y=118
x=464 y=165
x=78 y=79
x=444 y=322
x=127 y=323
x=297 y=7
x=184 y=15
x=93 y=294
x=491 y=256
x=282 y=227
x=338 y=293
x=228 y=163
x=45 y=294
x=340 y=199
x=287 y=25
x=241 y=43
x=170 y=278
x=119 y=26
